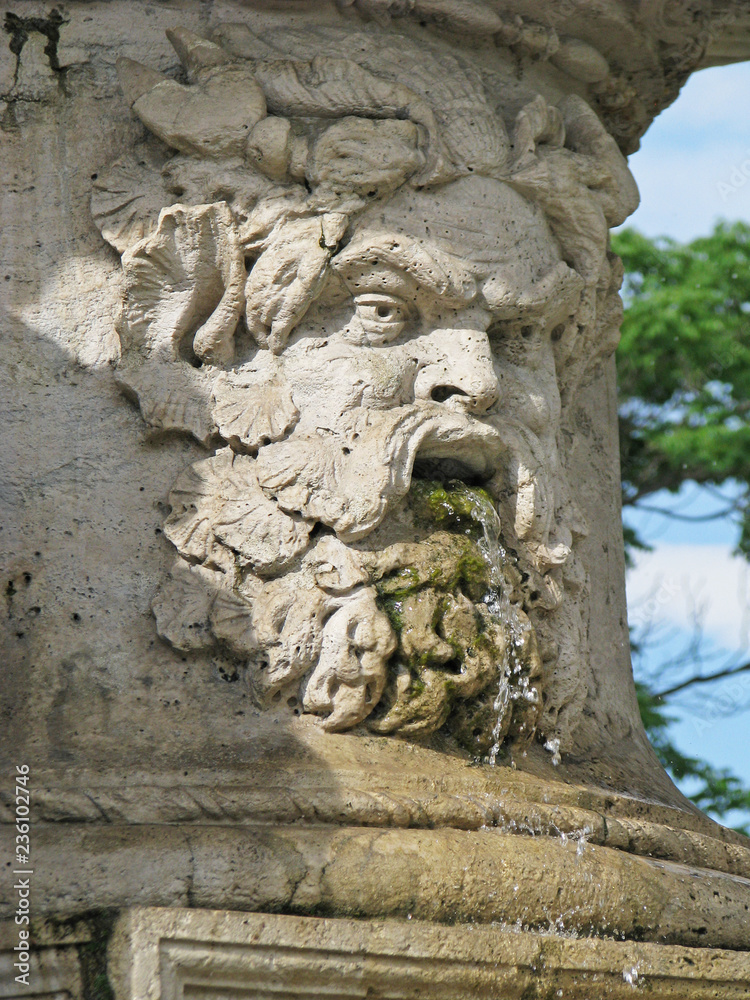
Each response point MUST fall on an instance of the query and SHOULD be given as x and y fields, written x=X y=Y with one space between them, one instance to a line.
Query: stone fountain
x=317 y=678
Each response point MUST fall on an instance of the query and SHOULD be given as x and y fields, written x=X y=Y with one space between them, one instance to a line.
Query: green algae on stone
x=453 y=661
x=443 y=561
x=455 y=507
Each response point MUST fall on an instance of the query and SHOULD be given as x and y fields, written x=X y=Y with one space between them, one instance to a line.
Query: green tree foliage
x=718 y=790
x=684 y=395
x=684 y=364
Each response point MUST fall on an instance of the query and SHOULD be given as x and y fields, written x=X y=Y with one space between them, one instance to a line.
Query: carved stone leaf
x=128 y=195
x=289 y=275
x=218 y=503
x=187 y=276
x=279 y=623
x=340 y=477
x=331 y=87
x=204 y=182
x=365 y=156
x=171 y=395
x=182 y=605
x=196 y=500
x=310 y=472
x=210 y=118
x=467 y=133
x=253 y=406
x=474 y=136
x=619 y=192
x=457 y=15
x=237 y=39
x=232 y=621
x=252 y=525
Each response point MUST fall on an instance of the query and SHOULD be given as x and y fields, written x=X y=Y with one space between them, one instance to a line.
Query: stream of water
x=513 y=684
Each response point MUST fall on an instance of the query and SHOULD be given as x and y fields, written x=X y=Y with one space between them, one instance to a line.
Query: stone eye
x=381 y=317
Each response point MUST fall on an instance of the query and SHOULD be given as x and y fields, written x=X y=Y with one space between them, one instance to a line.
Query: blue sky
x=692 y=169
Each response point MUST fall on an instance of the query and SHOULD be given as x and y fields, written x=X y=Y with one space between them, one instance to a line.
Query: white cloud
x=690 y=167
x=675 y=582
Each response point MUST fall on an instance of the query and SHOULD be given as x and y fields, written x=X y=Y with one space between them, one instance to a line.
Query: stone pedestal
x=313 y=557
x=171 y=954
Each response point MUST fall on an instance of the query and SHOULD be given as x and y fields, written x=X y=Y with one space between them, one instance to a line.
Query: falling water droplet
x=630 y=976
x=554 y=748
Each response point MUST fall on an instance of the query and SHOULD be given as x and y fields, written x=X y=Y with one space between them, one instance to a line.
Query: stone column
x=315 y=578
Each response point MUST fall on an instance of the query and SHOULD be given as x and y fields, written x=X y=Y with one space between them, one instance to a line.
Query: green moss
x=450 y=562
x=455 y=507
x=393 y=608
x=449 y=656
x=417 y=687
x=94 y=957
x=93 y=953
x=399 y=584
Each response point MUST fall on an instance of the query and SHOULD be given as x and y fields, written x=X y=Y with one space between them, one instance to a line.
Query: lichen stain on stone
x=33 y=41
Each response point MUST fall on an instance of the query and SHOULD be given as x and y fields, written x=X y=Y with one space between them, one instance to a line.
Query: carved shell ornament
x=360 y=289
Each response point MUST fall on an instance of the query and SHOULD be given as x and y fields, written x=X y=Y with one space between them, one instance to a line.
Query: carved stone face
x=357 y=293
x=445 y=306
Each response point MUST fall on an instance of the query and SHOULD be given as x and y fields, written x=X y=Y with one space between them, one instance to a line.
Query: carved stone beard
x=420 y=623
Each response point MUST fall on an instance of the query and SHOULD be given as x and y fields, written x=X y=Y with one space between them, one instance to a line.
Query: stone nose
x=456 y=369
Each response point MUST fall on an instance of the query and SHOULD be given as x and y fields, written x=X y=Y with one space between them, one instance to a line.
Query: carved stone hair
x=296 y=147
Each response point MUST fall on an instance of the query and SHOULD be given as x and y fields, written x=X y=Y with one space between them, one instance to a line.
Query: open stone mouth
x=447 y=470
x=470 y=451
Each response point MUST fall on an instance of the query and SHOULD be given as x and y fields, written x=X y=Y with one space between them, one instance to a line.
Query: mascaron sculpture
x=369 y=283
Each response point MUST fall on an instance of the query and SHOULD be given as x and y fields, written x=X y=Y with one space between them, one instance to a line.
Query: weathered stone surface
x=446 y=876
x=396 y=338
x=187 y=273
x=50 y=967
x=165 y=954
x=413 y=787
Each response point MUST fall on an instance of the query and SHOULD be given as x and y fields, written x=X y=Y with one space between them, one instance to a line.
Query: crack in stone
x=190 y=880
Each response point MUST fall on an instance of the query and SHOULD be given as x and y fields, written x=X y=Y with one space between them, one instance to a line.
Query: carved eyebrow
x=431 y=269
x=561 y=285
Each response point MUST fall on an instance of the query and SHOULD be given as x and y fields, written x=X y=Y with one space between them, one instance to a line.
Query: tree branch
x=702 y=680
x=684 y=517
